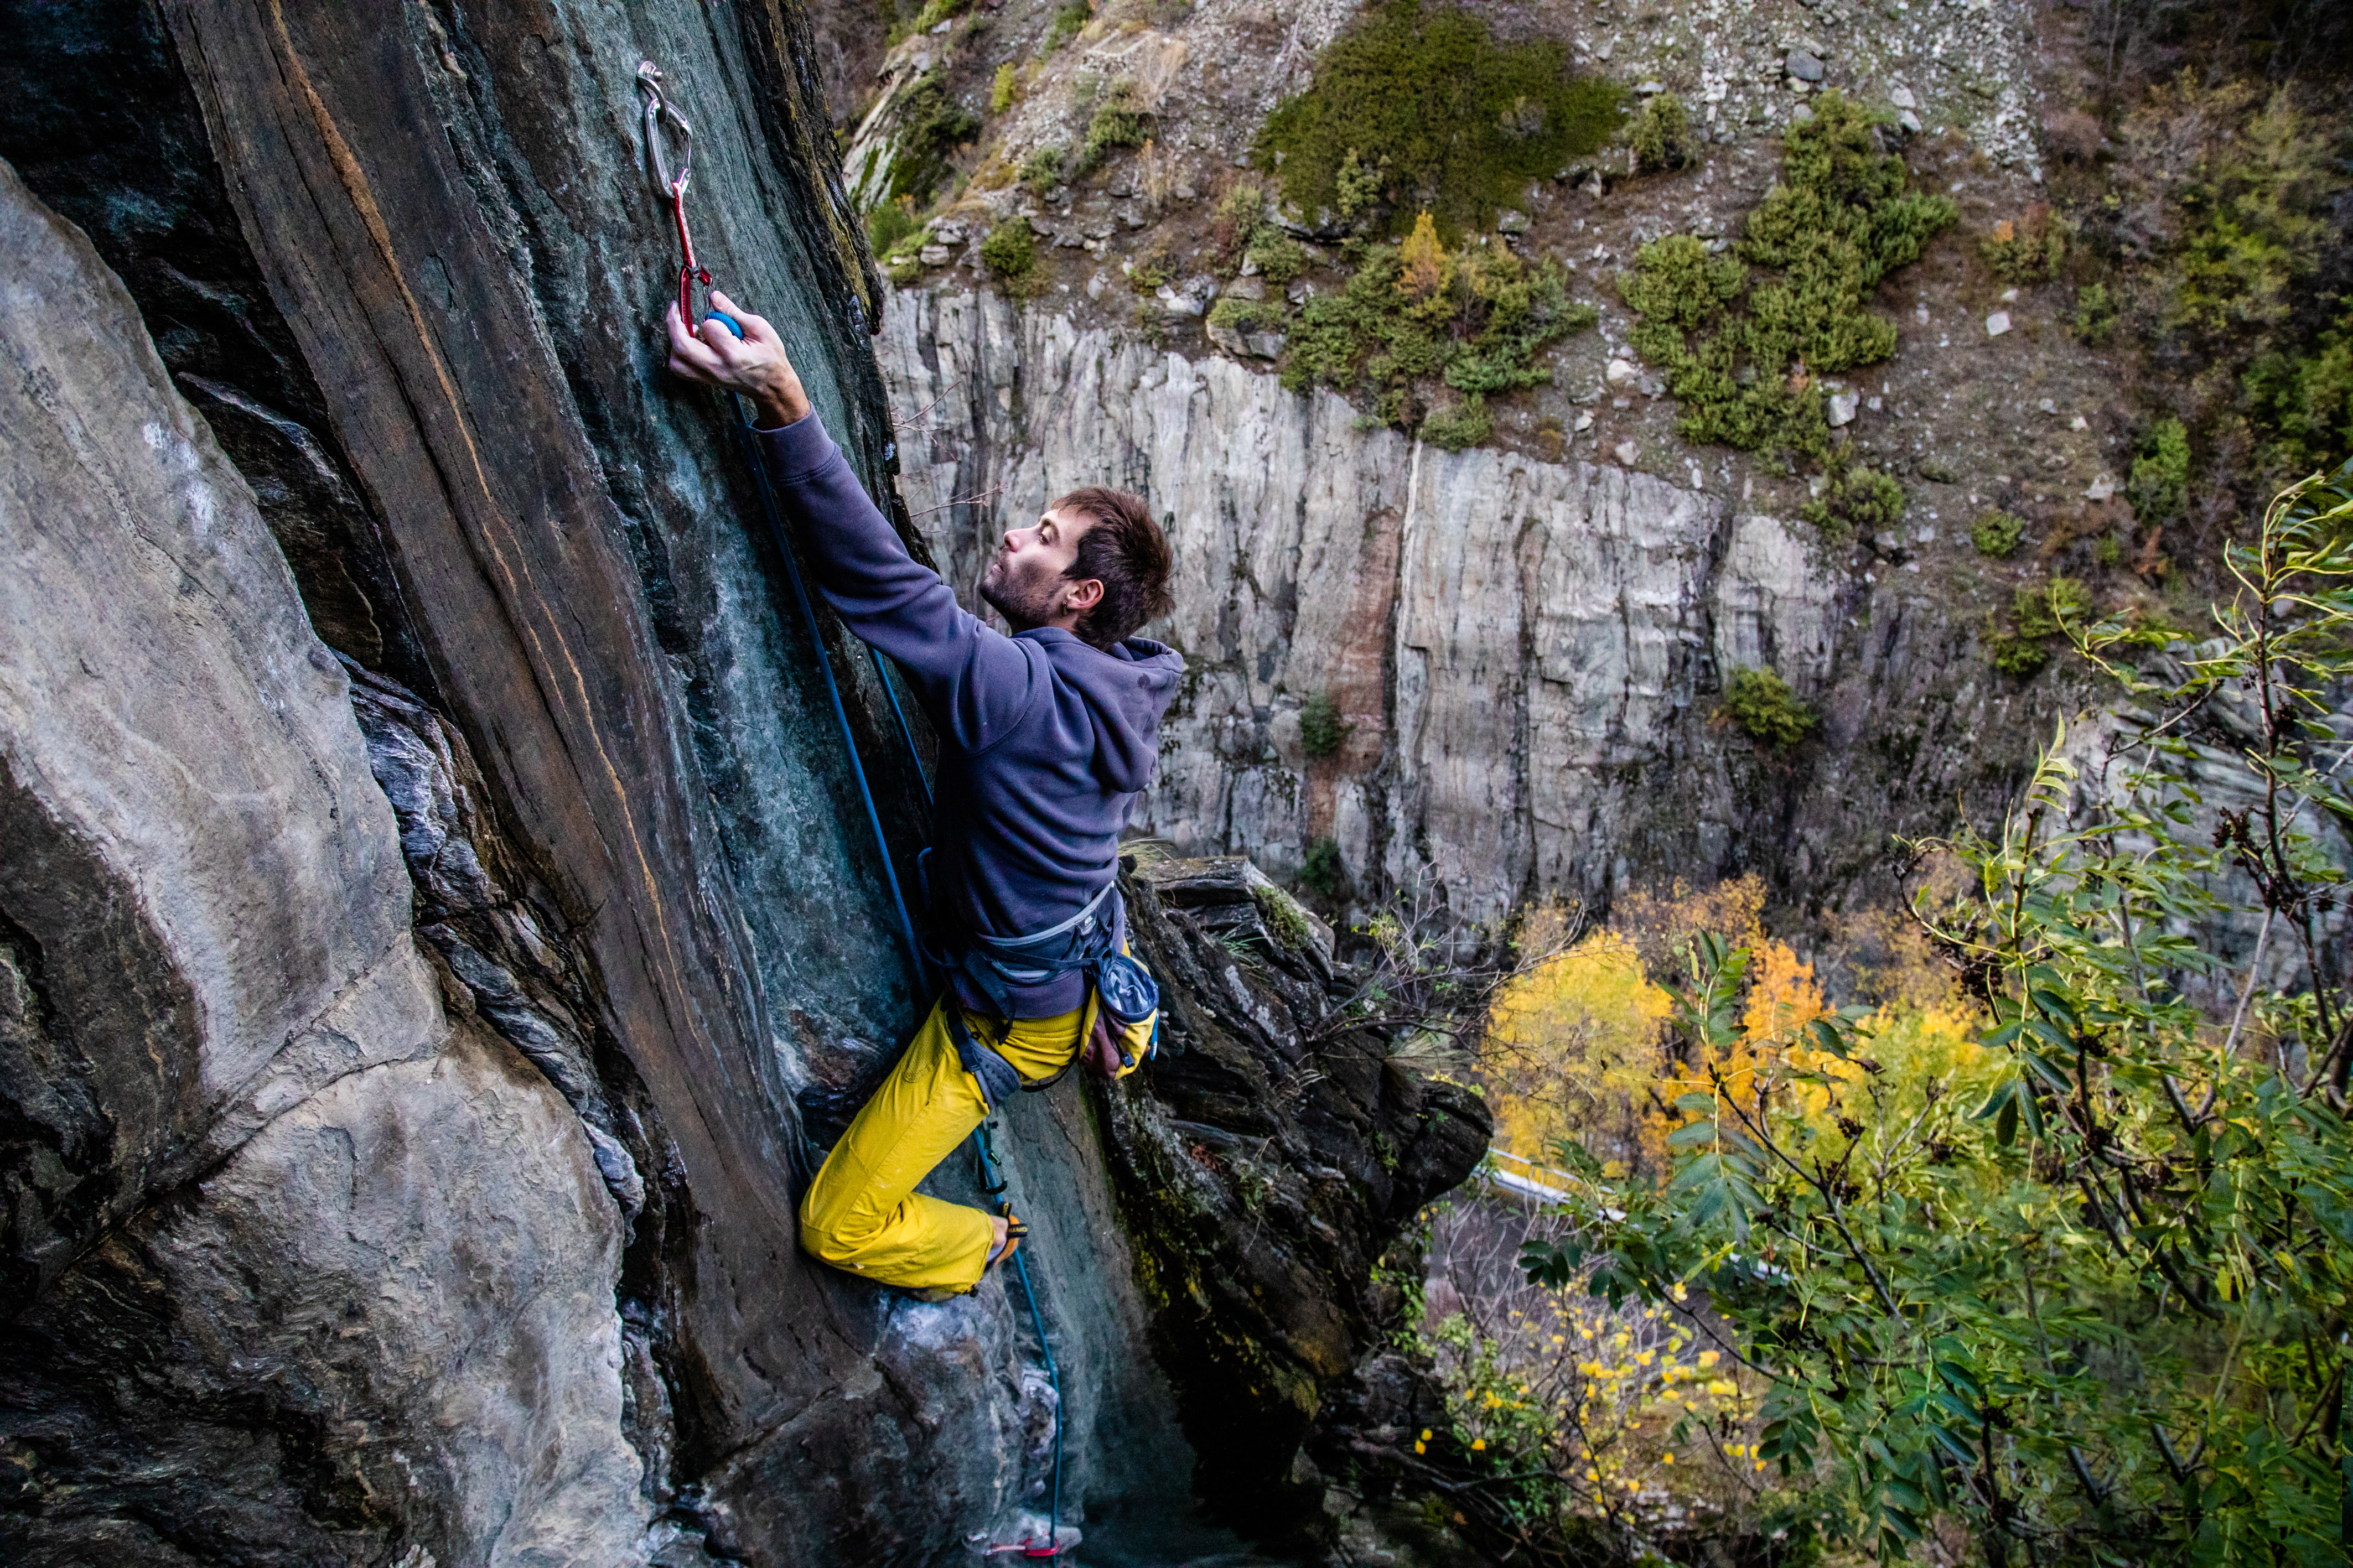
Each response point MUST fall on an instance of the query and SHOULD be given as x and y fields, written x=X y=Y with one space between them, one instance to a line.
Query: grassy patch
x=1420 y=108
x=1760 y=705
x=891 y=223
x=1415 y=316
x=1003 y=88
x=1744 y=356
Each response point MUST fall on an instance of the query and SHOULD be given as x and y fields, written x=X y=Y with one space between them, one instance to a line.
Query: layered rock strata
x=1525 y=658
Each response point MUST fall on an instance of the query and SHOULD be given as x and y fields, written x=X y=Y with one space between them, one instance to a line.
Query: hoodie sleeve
x=974 y=683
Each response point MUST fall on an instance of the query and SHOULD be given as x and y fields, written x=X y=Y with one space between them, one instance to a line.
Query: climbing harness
x=659 y=108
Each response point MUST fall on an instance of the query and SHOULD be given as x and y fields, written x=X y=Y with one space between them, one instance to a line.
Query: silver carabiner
x=657 y=109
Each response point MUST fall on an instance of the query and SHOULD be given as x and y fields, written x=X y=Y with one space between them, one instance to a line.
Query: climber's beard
x=1024 y=601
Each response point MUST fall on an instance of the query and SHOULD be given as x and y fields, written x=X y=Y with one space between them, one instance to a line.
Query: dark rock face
x=1278 y=1156
x=439 y=929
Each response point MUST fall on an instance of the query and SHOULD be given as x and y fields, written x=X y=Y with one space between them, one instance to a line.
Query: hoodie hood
x=1124 y=690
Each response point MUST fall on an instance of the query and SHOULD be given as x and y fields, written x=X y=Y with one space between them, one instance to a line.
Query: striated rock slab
x=292 y=1265
x=1525 y=657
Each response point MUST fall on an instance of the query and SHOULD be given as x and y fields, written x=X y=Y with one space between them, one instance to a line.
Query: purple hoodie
x=1043 y=739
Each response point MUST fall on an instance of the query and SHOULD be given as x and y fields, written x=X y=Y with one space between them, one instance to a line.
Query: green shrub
x=1042 y=170
x=2095 y=313
x=1247 y=315
x=1321 y=731
x=932 y=126
x=2158 y=486
x=2108 y=551
x=1760 y=705
x=890 y=224
x=2014 y=655
x=1010 y=254
x=1321 y=873
x=2026 y=250
x=2306 y=401
x=933 y=14
x=1276 y=255
x=1455 y=426
x=1151 y=266
x=1838 y=222
x=1356 y=188
x=1997 y=534
x=1413 y=314
x=1068 y=24
x=1854 y=501
x=1662 y=135
x=1427 y=103
x=1002 y=89
x=1119 y=120
x=2043 y=608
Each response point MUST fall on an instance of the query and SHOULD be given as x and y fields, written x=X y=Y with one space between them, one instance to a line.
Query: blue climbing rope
x=987 y=1158
x=774 y=515
x=825 y=668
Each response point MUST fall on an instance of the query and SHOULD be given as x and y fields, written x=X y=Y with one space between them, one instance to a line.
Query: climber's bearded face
x=1028 y=580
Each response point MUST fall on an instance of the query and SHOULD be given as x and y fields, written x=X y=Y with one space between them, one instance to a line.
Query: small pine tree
x=1423 y=263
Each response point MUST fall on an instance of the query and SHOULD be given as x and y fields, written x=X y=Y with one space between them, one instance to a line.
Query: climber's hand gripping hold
x=753 y=366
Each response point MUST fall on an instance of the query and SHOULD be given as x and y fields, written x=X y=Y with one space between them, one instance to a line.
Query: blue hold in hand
x=727 y=321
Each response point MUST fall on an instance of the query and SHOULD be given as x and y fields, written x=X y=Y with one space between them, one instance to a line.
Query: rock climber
x=1045 y=736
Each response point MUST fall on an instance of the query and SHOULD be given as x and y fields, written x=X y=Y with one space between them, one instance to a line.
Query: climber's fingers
x=690 y=356
x=757 y=328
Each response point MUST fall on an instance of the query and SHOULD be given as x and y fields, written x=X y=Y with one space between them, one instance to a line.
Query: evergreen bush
x=1662 y=136
x=1426 y=104
x=1760 y=705
x=1854 y=500
x=1997 y=534
x=1414 y=314
x=1010 y=254
x=1744 y=357
x=2158 y=486
x=1321 y=731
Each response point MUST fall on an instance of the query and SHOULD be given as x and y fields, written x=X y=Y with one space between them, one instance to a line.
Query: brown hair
x=1126 y=551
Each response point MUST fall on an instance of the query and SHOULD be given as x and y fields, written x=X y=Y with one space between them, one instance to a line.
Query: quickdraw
x=659 y=108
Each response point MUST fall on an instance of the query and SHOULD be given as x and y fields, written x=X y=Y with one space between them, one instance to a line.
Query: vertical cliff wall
x=1528 y=655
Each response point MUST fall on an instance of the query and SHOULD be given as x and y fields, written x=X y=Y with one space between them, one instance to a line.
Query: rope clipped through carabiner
x=659 y=108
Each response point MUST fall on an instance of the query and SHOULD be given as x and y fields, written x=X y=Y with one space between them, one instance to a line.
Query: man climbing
x=1045 y=738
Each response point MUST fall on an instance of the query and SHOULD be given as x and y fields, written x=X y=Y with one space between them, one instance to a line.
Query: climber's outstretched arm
x=973 y=681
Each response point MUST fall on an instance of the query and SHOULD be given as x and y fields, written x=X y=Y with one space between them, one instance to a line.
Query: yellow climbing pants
x=863 y=1214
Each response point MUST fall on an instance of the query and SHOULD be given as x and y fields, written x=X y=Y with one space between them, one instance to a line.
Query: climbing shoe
x=1014 y=1231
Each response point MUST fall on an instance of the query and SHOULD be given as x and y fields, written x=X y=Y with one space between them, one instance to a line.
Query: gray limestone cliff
x=1527 y=656
x=440 y=930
